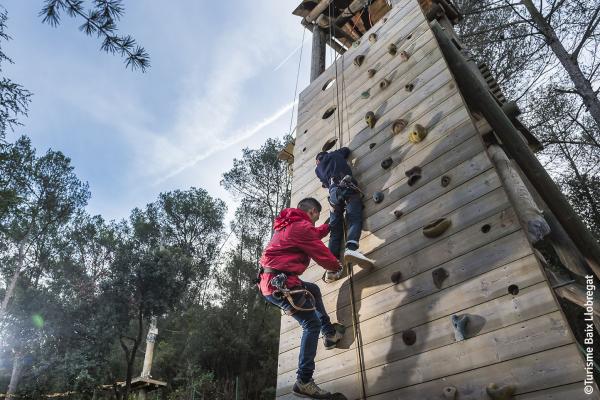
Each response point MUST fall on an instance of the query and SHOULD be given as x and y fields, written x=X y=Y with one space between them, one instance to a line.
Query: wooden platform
x=517 y=337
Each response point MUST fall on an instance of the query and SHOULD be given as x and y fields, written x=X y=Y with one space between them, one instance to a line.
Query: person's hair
x=309 y=203
x=320 y=155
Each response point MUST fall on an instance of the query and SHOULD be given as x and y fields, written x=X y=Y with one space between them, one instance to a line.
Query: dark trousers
x=312 y=322
x=349 y=201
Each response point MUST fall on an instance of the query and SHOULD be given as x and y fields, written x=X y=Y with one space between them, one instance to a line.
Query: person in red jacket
x=295 y=241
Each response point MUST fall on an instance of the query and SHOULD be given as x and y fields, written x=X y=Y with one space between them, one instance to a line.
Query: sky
x=222 y=78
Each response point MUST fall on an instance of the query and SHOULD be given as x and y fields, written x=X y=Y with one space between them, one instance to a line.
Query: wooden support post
x=317 y=62
x=150 y=340
x=478 y=97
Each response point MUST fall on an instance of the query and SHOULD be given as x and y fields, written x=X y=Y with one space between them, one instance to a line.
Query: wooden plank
x=573 y=391
x=506 y=310
x=528 y=337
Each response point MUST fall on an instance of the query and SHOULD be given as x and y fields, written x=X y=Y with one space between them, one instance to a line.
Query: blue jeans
x=311 y=322
x=351 y=202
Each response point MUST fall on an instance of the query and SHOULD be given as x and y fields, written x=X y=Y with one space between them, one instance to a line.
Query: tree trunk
x=10 y=290
x=15 y=377
x=571 y=65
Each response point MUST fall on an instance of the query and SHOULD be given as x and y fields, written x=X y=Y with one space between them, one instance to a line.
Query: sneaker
x=310 y=390
x=356 y=257
x=330 y=341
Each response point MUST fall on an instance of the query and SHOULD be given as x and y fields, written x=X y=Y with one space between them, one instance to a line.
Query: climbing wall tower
x=401 y=342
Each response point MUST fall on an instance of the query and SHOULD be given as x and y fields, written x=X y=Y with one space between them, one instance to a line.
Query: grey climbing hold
x=436 y=228
x=378 y=197
x=383 y=84
x=398 y=126
x=371 y=145
x=439 y=276
x=459 y=323
x=385 y=164
x=413 y=174
x=396 y=277
x=356 y=43
x=450 y=392
x=398 y=214
x=445 y=180
x=500 y=393
x=392 y=49
x=404 y=56
x=409 y=87
x=373 y=37
x=358 y=60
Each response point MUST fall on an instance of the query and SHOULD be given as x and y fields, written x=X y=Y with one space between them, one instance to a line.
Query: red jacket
x=295 y=241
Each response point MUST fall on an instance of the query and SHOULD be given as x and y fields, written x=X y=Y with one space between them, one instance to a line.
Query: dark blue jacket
x=333 y=165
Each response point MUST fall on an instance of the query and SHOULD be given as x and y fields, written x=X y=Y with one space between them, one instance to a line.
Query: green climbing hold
x=436 y=228
x=366 y=94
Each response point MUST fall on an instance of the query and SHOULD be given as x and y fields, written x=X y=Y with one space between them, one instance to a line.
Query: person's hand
x=332 y=276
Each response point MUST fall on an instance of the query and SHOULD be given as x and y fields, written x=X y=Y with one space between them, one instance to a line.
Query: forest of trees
x=77 y=292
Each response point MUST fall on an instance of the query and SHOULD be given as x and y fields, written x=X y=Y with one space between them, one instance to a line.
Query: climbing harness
x=283 y=292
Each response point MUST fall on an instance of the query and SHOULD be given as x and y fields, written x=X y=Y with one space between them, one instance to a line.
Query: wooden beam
x=315 y=12
x=328 y=40
x=478 y=96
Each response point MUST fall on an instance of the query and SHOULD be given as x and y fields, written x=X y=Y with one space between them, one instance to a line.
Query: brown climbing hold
x=436 y=228
x=409 y=337
x=445 y=180
x=396 y=277
x=417 y=134
x=398 y=214
x=398 y=126
x=404 y=56
x=373 y=37
x=358 y=60
x=371 y=72
x=370 y=119
x=371 y=145
x=392 y=49
x=385 y=164
x=413 y=174
x=450 y=392
x=409 y=87
x=384 y=83
x=439 y=276
x=329 y=144
x=500 y=393
x=378 y=197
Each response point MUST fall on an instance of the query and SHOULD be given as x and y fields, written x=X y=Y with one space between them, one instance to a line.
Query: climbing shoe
x=330 y=341
x=310 y=390
x=356 y=257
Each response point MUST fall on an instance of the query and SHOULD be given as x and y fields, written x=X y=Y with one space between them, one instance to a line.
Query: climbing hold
x=398 y=126
x=409 y=337
x=304 y=149
x=392 y=49
x=373 y=37
x=358 y=60
x=371 y=145
x=445 y=180
x=371 y=72
x=329 y=112
x=396 y=277
x=370 y=119
x=398 y=214
x=486 y=228
x=365 y=94
x=439 y=276
x=409 y=87
x=356 y=43
x=500 y=393
x=413 y=174
x=378 y=197
x=436 y=228
x=450 y=392
x=384 y=83
x=459 y=323
x=404 y=56
x=409 y=37
x=417 y=133
x=329 y=144
x=385 y=164
x=513 y=289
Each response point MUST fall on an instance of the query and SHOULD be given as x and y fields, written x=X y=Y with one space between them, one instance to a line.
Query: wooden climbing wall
x=520 y=338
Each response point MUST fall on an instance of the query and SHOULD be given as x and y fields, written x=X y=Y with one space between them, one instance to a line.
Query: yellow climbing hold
x=417 y=134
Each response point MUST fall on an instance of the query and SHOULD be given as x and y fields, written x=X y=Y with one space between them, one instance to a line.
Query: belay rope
x=360 y=359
